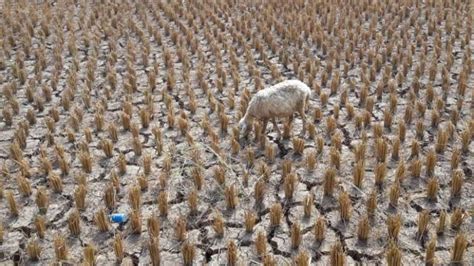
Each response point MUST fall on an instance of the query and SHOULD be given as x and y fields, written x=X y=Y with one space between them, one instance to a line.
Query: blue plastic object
x=118 y=217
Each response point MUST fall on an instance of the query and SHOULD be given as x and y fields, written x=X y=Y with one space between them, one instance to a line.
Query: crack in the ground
x=309 y=185
x=357 y=256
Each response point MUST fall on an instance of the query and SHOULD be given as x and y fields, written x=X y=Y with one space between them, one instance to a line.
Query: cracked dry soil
x=132 y=107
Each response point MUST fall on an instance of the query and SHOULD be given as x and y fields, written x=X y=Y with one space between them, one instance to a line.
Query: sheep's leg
x=264 y=126
x=275 y=126
x=303 y=118
x=290 y=119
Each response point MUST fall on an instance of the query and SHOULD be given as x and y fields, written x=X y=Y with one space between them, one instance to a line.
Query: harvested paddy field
x=120 y=141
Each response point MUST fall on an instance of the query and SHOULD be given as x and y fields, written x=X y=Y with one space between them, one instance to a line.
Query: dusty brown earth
x=122 y=86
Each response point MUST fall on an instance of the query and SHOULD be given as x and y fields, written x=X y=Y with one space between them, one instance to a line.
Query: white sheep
x=280 y=100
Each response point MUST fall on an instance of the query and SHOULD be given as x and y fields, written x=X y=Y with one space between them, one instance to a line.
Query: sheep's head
x=244 y=126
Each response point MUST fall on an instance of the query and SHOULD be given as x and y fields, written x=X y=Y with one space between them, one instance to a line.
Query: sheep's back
x=277 y=101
